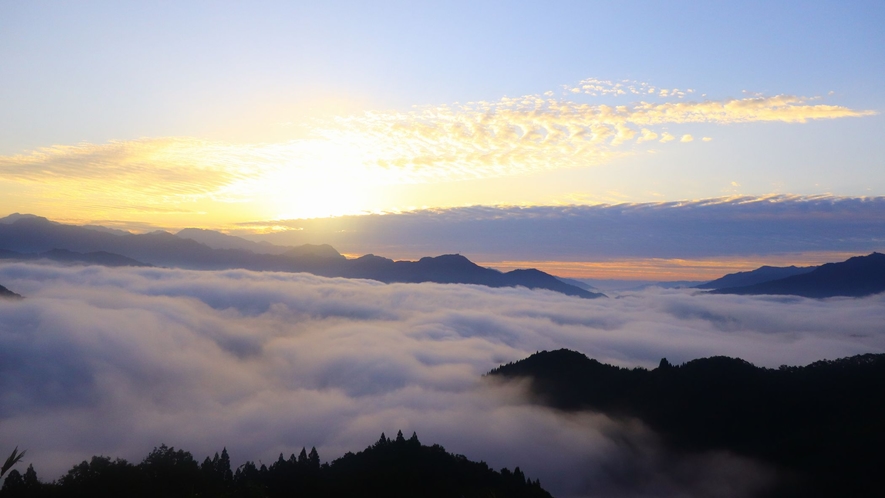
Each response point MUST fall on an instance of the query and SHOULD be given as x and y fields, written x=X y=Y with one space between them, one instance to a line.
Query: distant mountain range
x=102 y=258
x=36 y=237
x=856 y=277
x=218 y=240
x=823 y=424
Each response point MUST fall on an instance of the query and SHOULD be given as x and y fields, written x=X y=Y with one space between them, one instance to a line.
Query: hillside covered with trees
x=822 y=426
x=394 y=468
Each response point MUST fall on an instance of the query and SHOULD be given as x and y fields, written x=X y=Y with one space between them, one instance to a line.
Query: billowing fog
x=116 y=361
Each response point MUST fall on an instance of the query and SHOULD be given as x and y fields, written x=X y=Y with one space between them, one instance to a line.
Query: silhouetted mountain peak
x=12 y=218
x=8 y=294
x=32 y=220
x=313 y=250
x=451 y=261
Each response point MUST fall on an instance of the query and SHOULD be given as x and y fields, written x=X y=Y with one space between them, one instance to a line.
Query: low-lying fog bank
x=116 y=361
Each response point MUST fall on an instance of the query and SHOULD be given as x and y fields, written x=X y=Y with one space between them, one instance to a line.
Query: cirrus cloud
x=428 y=144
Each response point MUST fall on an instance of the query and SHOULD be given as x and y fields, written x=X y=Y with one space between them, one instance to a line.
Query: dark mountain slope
x=218 y=240
x=578 y=283
x=757 y=276
x=452 y=269
x=39 y=235
x=824 y=422
x=8 y=294
x=64 y=256
x=856 y=277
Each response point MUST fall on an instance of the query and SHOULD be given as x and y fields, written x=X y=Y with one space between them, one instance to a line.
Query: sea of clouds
x=116 y=361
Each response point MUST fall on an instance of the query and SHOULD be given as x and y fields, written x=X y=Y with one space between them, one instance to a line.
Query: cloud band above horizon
x=724 y=227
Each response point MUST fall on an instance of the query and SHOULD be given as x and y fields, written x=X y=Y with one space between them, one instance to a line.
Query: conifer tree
x=313 y=459
x=382 y=441
x=223 y=467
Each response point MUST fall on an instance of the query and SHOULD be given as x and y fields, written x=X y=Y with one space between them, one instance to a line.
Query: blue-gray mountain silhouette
x=856 y=277
x=218 y=240
x=8 y=294
x=102 y=258
x=34 y=235
x=757 y=276
x=822 y=425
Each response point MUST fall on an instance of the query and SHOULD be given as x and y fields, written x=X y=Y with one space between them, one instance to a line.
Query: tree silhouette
x=399 y=468
x=313 y=459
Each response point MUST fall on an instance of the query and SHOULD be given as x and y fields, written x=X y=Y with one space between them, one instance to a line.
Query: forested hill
x=390 y=468
x=825 y=422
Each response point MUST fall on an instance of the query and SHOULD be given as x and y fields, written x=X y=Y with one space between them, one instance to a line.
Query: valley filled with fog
x=115 y=361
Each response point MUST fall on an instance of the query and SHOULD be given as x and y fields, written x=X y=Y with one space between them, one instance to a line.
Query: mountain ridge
x=36 y=234
x=858 y=276
x=822 y=422
x=759 y=275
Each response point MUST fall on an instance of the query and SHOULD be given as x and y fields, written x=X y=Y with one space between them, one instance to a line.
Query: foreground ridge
x=823 y=424
x=394 y=468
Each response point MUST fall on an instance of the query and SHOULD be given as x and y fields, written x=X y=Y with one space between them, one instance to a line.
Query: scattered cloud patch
x=646 y=135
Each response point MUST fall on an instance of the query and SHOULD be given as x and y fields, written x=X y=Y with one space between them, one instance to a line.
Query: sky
x=116 y=361
x=610 y=140
x=272 y=116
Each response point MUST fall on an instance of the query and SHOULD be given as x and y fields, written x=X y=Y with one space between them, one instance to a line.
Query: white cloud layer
x=116 y=361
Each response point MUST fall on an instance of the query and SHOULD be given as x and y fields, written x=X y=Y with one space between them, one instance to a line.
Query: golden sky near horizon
x=477 y=153
x=240 y=118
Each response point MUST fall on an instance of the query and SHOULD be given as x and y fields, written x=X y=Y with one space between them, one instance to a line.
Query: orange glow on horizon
x=668 y=270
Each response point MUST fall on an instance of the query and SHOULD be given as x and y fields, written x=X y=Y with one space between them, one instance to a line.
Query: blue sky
x=99 y=71
x=214 y=114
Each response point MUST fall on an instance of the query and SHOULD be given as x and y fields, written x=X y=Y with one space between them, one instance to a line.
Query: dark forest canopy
x=821 y=425
x=393 y=468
